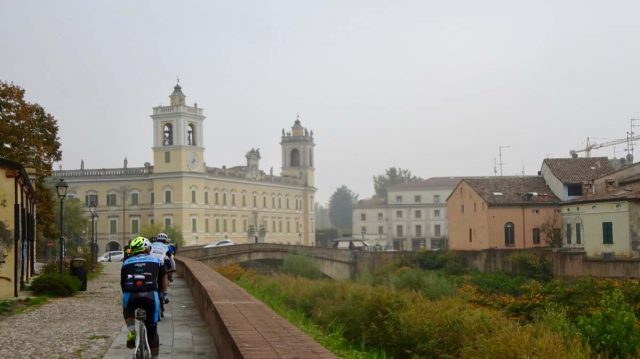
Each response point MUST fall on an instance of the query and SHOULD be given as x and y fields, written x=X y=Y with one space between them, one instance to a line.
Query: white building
x=412 y=217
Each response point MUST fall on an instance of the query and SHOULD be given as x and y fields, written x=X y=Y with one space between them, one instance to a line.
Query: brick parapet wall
x=242 y=326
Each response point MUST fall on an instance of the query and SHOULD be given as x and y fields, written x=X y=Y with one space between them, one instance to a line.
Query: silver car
x=112 y=256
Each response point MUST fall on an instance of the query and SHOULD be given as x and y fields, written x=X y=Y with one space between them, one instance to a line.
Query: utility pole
x=500 y=153
x=124 y=219
x=630 y=135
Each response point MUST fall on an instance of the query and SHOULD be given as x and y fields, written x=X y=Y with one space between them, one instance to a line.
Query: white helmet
x=162 y=237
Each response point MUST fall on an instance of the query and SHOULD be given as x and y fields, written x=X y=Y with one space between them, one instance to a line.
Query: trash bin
x=79 y=270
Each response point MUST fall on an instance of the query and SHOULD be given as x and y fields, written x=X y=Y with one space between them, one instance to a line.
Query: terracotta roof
x=577 y=170
x=630 y=179
x=514 y=190
x=447 y=182
x=374 y=202
x=615 y=196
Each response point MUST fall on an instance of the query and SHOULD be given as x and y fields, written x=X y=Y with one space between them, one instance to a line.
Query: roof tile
x=512 y=190
x=577 y=170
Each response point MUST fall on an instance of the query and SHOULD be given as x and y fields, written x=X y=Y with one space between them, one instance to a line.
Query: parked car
x=220 y=243
x=113 y=256
x=350 y=243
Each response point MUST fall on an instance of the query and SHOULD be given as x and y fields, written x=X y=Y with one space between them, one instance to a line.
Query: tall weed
x=612 y=330
x=301 y=266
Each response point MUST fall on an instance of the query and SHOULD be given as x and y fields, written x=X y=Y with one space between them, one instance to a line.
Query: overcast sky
x=432 y=86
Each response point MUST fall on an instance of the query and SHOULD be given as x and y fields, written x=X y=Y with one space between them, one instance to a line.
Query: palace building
x=242 y=203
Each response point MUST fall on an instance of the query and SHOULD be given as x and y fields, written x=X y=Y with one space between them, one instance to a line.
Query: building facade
x=500 y=212
x=412 y=217
x=242 y=203
x=603 y=225
x=18 y=222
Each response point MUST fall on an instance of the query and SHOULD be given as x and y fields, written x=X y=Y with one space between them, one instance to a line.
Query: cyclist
x=140 y=281
x=171 y=253
x=160 y=250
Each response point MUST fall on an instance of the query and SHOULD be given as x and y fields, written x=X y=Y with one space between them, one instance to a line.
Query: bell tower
x=177 y=135
x=297 y=153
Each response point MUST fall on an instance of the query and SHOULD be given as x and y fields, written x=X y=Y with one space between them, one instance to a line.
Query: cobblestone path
x=83 y=326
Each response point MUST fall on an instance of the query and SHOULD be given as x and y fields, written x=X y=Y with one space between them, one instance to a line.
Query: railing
x=181 y=108
x=241 y=173
x=135 y=171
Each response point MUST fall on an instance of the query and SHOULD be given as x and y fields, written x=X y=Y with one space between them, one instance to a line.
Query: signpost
x=49 y=246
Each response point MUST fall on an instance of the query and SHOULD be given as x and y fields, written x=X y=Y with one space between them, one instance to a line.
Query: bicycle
x=142 y=349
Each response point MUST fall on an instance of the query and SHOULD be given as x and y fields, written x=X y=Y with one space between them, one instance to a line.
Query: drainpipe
x=16 y=236
x=524 y=231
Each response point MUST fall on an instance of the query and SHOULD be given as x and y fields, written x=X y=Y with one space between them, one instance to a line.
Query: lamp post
x=61 y=189
x=94 y=216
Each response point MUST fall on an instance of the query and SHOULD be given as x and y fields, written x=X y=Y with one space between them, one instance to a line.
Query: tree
x=321 y=216
x=341 y=207
x=173 y=232
x=29 y=135
x=391 y=177
x=76 y=223
x=551 y=229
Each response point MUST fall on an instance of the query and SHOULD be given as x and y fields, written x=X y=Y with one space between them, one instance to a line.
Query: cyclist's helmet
x=162 y=237
x=139 y=245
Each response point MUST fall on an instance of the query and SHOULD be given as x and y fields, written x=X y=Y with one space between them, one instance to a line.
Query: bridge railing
x=200 y=252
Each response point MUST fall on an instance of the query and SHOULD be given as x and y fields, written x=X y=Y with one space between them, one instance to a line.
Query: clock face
x=192 y=161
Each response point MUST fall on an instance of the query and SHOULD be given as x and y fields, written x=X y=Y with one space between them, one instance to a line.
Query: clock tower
x=177 y=139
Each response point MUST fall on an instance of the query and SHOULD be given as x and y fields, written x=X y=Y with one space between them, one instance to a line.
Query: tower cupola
x=297 y=153
x=177 y=97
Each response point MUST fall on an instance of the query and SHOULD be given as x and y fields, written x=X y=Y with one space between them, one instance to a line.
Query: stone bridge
x=335 y=263
x=243 y=327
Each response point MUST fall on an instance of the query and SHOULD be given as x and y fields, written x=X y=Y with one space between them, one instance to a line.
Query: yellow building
x=17 y=214
x=242 y=203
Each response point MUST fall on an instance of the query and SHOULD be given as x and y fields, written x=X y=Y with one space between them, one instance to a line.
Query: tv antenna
x=500 y=154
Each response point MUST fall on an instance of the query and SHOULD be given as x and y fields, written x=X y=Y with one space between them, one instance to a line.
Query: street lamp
x=61 y=188
x=94 y=216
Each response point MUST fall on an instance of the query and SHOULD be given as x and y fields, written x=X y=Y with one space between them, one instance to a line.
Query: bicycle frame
x=142 y=350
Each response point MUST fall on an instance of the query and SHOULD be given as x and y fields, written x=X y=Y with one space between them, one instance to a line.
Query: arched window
x=191 y=135
x=311 y=158
x=509 y=235
x=295 y=158
x=168 y=135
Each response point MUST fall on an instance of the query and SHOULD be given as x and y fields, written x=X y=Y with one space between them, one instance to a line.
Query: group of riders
x=144 y=278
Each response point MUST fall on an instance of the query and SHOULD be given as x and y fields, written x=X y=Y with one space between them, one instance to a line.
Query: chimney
x=610 y=184
x=587 y=188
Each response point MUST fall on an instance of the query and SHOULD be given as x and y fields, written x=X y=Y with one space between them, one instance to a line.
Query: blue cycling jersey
x=141 y=273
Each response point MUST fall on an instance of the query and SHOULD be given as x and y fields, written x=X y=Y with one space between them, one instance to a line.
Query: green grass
x=15 y=306
x=333 y=341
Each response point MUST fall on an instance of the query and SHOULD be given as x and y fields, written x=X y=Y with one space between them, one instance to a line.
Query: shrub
x=50 y=267
x=301 y=266
x=233 y=271
x=406 y=324
x=449 y=262
x=612 y=330
x=56 y=284
x=554 y=317
x=497 y=283
x=533 y=267
x=433 y=285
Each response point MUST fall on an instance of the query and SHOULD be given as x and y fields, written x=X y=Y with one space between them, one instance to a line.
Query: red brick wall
x=242 y=326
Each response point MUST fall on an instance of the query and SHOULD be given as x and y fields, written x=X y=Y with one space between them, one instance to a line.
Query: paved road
x=183 y=333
